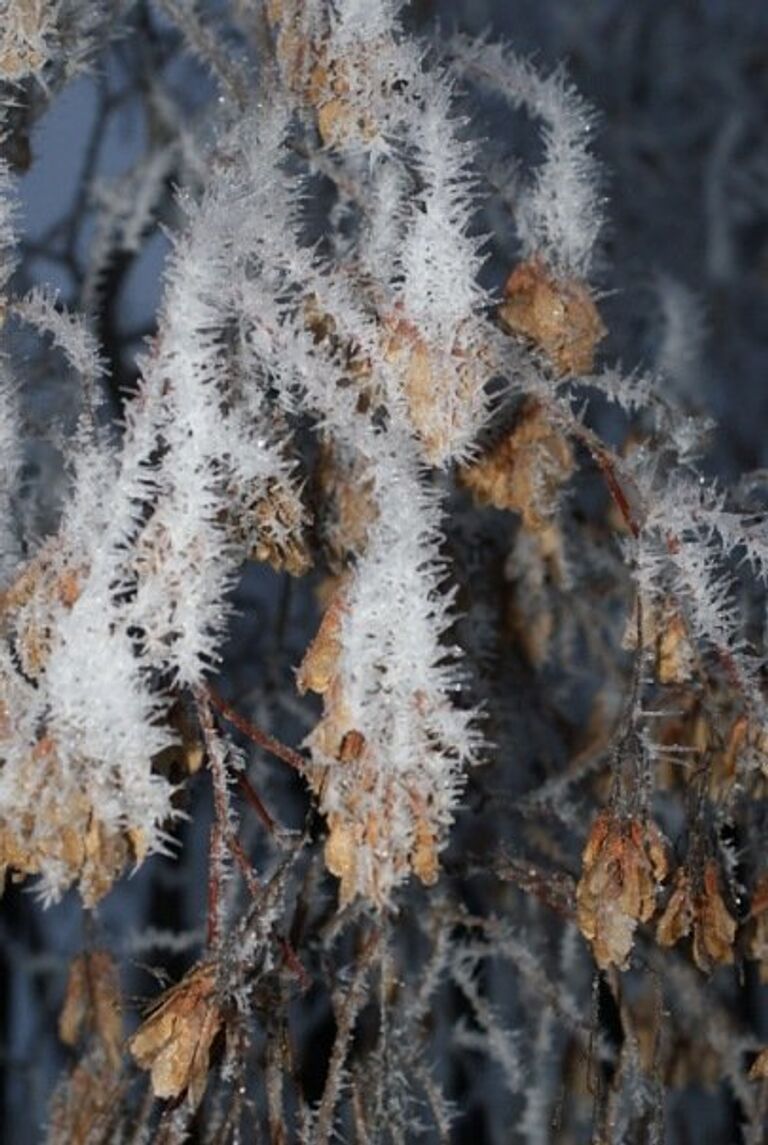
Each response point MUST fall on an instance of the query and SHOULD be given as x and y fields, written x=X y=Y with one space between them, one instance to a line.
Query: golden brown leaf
x=697 y=906
x=83 y=1105
x=92 y=1004
x=759 y=1070
x=63 y=827
x=524 y=470
x=174 y=1041
x=558 y=315
x=319 y=666
x=623 y=863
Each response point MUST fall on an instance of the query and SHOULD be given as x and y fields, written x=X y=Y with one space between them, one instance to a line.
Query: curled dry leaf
x=696 y=905
x=623 y=863
x=174 y=1041
x=558 y=315
x=92 y=1004
x=524 y=470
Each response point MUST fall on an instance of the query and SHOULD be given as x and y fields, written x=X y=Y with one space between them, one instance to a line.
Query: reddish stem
x=255 y=734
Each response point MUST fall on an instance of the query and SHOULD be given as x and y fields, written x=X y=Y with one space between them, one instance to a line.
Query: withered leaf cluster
x=360 y=821
x=623 y=865
x=697 y=906
x=174 y=1041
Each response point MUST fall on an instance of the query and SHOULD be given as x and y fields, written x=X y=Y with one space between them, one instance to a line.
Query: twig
x=256 y=735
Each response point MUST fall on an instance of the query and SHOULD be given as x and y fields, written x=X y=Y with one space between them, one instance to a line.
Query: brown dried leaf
x=675 y=658
x=623 y=863
x=174 y=1041
x=759 y=1070
x=272 y=527
x=701 y=910
x=92 y=1004
x=424 y=858
x=341 y=849
x=62 y=827
x=319 y=666
x=22 y=38
x=677 y=918
x=558 y=315
x=714 y=928
x=84 y=1104
x=524 y=470
x=340 y=117
x=439 y=387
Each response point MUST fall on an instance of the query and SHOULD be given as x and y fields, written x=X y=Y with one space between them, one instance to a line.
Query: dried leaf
x=677 y=919
x=340 y=117
x=341 y=849
x=22 y=39
x=319 y=666
x=441 y=386
x=558 y=315
x=700 y=910
x=174 y=1041
x=524 y=470
x=675 y=657
x=759 y=1070
x=623 y=863
x=714 y=928
x=92 y=1004
x=62 y=826
x=346 y=493
x=272 y=527
x=83 y=1106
